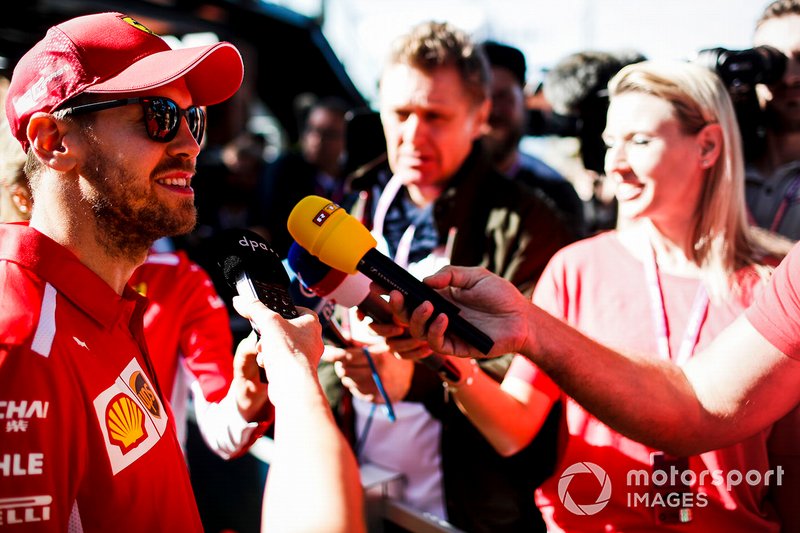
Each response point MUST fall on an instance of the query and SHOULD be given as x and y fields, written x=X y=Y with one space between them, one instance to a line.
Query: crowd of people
x=652 y=332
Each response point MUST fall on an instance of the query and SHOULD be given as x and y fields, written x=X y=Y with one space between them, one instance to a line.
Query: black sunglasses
x=162 y=116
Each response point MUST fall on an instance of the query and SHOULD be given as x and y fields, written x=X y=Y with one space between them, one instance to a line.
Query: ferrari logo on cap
x=138 y=25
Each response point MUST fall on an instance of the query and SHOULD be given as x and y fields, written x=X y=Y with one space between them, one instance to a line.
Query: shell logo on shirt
x=125 y=423
x=130 y=421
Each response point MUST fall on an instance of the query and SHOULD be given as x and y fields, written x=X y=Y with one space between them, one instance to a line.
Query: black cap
x=503 y=55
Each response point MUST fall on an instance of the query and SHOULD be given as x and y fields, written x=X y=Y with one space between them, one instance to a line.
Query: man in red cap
x=111 y=119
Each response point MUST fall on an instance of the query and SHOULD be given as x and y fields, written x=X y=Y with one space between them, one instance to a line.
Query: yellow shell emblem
x=125 y=423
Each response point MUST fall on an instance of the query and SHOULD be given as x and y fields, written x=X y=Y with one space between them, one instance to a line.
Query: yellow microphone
x=340 y=241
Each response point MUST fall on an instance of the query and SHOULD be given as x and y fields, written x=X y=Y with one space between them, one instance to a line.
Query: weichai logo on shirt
x=125 y=423
x=145 y=394
x=16 y=415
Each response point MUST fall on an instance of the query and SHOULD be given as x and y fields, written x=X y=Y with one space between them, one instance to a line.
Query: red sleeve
x=776 y=312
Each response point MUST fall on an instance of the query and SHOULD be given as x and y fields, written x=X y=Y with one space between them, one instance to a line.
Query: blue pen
x=379 y=384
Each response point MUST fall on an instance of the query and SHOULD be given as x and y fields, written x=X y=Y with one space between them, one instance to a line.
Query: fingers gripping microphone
x=253 y=269
x=353 y=291
x=339 y=240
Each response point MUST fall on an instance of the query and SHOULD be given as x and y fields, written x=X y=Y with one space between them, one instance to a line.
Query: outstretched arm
x=738 y=385
x=508 y=414
x=313 y=482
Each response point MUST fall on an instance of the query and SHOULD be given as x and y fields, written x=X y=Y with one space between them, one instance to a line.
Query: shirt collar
x=36 y=252
x=753 y=175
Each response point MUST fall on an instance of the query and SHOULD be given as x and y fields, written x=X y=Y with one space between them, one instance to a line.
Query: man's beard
x=128 y=216
x=500 y=147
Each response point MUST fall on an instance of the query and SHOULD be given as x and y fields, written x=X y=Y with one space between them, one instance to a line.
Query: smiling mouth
x=627 y=191
x=182 y=183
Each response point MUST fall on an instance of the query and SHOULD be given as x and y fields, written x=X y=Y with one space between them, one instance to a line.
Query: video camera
x=740 y=71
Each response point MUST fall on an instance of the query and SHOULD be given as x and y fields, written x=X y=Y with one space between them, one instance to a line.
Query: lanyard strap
x=384 y=202
x=659 y=310
x=788 y=199
x=381 y=209
x=401 y=256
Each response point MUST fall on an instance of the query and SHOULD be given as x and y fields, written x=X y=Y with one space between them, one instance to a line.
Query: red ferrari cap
x=113 y=53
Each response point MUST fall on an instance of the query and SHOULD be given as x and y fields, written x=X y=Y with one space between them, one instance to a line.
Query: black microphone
x=339 y=240
x=253 y=269
x=353 y=291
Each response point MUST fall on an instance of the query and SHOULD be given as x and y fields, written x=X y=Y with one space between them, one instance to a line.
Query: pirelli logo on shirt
x=131 y=417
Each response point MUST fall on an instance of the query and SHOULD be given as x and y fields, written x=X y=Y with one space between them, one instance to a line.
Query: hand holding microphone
x=354 y=291
x=342 y=242
x=252 y=268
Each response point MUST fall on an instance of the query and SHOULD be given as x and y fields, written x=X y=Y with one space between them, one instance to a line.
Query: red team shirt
x=86 y=441
x=188 y=333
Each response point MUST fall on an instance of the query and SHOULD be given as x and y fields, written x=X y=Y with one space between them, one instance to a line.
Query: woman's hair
x=724 y=241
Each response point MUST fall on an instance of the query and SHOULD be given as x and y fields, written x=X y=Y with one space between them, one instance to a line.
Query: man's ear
x=47 y=135
x=481 y=126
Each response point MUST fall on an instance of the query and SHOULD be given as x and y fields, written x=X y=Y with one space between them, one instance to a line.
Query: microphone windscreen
x=328 y=232
x=232 y=268
x=351 y=291
x=311 y=270
x=345 y=289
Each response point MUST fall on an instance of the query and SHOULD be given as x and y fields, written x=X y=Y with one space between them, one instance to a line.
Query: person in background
x=314 y=168
x=773 y=174
x=230 y=202
x=507 y=125
x=15 y=194
x=672 y=140
x=576 y=88
x=445 y=202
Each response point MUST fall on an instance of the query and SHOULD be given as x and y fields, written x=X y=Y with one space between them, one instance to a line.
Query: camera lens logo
x=588 y=508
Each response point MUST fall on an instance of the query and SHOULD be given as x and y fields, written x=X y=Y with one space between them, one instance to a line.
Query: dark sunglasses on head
x=162 y=116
